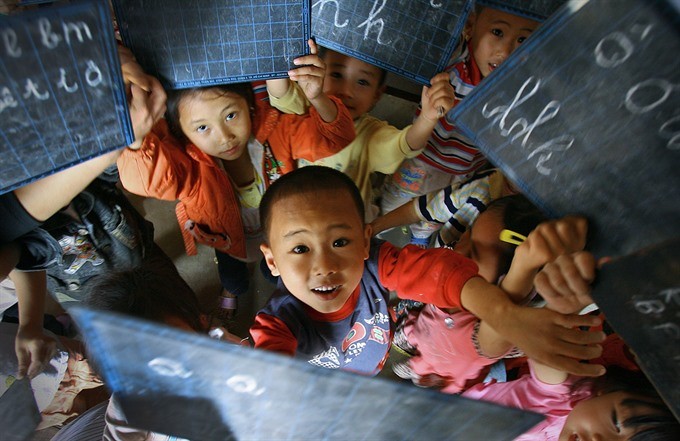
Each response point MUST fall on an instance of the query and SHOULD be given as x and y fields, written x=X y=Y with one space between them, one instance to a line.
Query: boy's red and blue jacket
x=357 y=337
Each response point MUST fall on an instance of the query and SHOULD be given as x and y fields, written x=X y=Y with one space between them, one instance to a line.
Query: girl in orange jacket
x=216 y=153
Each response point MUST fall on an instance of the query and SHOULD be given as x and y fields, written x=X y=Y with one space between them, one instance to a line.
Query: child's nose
x=225 y=134
x=344 y=90
x=325 y=264
x=506 y=48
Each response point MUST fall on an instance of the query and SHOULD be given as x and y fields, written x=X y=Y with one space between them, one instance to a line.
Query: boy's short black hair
x=313 y=179
x=152 y=291
x=175 y=96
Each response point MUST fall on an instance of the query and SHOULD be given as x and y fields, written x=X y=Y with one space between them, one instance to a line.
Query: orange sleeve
x=434 y=275
x=310 y=137
x=160 y=168
x=270 y=333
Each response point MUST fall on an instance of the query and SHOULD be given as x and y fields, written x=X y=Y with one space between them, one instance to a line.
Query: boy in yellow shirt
x=378 y=146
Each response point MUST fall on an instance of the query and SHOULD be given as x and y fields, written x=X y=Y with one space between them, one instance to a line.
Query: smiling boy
x=330 y=306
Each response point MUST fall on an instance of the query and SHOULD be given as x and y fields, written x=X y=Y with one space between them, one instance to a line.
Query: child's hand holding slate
x=438 y=98
x=146 y=96
x=310 y=76
x=565 y=283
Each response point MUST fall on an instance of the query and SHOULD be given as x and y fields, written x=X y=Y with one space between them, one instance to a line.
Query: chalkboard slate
x=592 y=128
x=413 y=38
x=190 y=44
x=534 y=9
x=640 y=296
x=19 y=414
x=213 y=390
x=62 y=99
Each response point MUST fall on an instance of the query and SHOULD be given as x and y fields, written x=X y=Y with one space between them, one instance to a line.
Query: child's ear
x=269 y=259
x=379 y=93
x=469 y=25
x=368 y=231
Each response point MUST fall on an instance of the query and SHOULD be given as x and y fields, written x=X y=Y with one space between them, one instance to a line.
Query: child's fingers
x=571 y=321
x=158 y=99
x=311 y=71
x=23 y=361
x=585 y=264
x=575 y=367
x=573 y=231
x=313 y=49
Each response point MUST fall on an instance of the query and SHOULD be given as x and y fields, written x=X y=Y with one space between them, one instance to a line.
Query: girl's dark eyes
x=335 y=75
x=341 y=243
x=497 y=32
x=363 y=83
x=520 y=40
x=201 y=128
x=230 y=116
x=300 y=249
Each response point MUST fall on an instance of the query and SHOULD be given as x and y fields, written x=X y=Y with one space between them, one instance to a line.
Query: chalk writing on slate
x=191 y=44
x=142 y=362
x=533 y=9
x=412 y=38
x=593 y=128
x=640 y=296
x=62 y=99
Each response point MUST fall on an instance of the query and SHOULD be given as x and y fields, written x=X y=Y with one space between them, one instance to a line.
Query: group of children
x=290 y=178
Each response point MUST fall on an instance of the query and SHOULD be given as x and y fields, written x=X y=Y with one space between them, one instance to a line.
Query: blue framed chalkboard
x=211 y=390
x=62 y=98
x=190 y=44
x=412 y=38
x=591 y=128
x=534 y=9
x=640 y=296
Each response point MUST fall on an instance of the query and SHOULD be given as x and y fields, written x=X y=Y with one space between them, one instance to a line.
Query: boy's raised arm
x=310 y=78
x=404 y=215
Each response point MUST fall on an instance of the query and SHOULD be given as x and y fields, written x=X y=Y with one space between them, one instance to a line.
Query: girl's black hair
x=175 y=97
x=152 y=291
x=657 y=425
x=518 y=214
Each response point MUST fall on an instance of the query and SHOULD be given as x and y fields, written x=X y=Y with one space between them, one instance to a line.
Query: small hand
x=555 y=339
x=34 y=351
x=145 y=94
x=551 y=239
x=311 y=74
x=437 y=99
x=565 y=283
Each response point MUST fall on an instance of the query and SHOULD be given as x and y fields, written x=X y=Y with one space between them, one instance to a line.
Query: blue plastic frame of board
x=306 y=26
x=536 y=13
x=449 y=48
x=110 y=53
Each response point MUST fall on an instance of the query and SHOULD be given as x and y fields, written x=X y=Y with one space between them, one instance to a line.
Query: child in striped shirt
x=490 y=36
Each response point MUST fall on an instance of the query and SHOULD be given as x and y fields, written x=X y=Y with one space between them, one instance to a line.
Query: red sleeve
x=270 y=333
x=434 y=275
